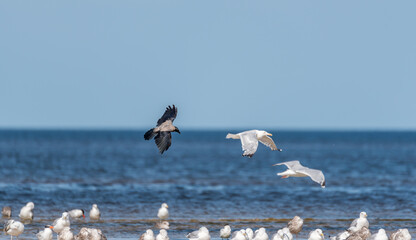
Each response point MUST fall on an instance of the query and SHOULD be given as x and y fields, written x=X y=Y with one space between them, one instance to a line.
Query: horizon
x=127 y=129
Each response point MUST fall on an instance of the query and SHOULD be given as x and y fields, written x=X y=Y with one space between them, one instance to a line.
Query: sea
x=206 y=181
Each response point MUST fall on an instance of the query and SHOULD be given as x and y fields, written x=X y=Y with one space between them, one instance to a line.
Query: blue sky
x=225 y=64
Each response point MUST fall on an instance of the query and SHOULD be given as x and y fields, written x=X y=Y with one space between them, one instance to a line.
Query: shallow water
x=206 y=181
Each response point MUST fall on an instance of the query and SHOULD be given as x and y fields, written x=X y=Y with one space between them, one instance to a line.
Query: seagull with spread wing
x=295 y=169
x=250 y=141
x=163 y=129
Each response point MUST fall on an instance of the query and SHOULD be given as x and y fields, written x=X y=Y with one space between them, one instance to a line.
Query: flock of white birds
x=60 y=226
x=358 y=230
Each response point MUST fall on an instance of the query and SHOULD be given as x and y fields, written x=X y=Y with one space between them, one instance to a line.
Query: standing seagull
x=295 y=169
x=95 y=212
x=148 y=235
x=77 y=213
x=401 y=234
x=316 y=234
x=13 y=228
x=380 y=235
x=6 y=212
x=201 y=234
x=250 y=141
x=163 y=212
x=163 y=235
x=46 y=234
x=295 y=225
x=60 y=223
x=359 y=223
x=26 y=211
x=164 y=127
x=225 y=232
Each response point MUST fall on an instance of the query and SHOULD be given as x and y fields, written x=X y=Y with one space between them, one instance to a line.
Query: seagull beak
x=269 y=134
x=51 y=227
x=322 y=234
x=167 y=206
x=83 y=215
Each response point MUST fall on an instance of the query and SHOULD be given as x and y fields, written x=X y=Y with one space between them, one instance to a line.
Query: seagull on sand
x=6 y=212
x=162 y=225
x=240 y=235
x=295 y=169
x=295 y=225
x=66 y=234
x=60 y=223
x=225 y=232
x=401 y=234
x=77 y=213
x=380 y=235
x=13 y=228
x=361 y=234
x=316 y=234
x=163 y=129
x=250 y=141
x=26 y=211
x=341 y=236
x=250 y=233
x=95 y=212
x=163 y=212
x=90 y=234
x=148 y=235
x=201 y=234
x=261 y=234
x=46 y=234
x=163 y=235
x=359 y=223
x=278 y=235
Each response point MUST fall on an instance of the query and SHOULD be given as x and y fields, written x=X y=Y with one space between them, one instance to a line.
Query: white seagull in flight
x=250 y=141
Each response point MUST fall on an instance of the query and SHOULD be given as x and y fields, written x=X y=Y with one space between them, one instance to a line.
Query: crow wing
x=163 y=141
x=170 y=114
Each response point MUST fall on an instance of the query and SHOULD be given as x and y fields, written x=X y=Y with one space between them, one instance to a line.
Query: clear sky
x=225 y=64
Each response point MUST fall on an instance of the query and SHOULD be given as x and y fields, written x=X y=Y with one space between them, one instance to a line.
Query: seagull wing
x=193 y=234
x=8 y=225
x=142 y=236
x=315 y=175
x=291 y=164
x=249 y=143
x=268 y=142
x=163 y=141
x=170 y=114
x=354 y=223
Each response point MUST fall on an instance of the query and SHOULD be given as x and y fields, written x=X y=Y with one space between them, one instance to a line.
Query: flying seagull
x=250 y=141
x=164 y=127
x=295 y=169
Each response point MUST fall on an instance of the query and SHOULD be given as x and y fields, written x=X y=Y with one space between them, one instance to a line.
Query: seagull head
x=363 y=214
x=30 y=205
x=263 y=133
x=165 y=205
x=319 y=231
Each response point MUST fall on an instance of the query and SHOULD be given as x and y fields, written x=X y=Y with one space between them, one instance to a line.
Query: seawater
x=206 y=181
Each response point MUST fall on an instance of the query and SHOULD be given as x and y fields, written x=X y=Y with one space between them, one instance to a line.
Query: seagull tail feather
x=233 y=136
x=149 y=134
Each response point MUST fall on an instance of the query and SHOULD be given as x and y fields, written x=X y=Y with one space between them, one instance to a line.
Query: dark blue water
x=206 y=181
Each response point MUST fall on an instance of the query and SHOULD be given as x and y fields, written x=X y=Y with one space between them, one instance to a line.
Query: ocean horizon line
x=203 y=129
